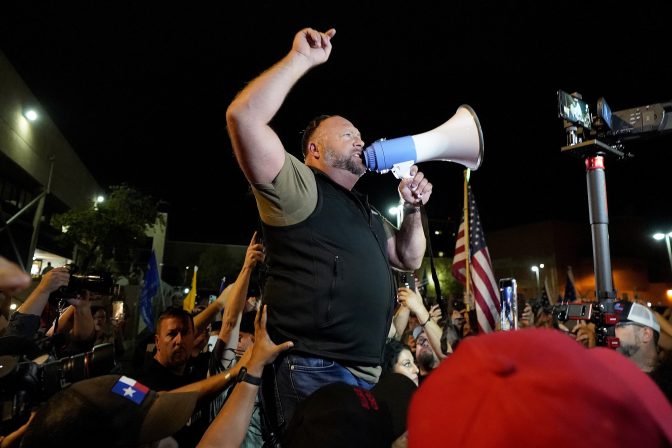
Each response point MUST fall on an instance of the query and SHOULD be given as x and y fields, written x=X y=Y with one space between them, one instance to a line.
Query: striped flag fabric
x=484 y=286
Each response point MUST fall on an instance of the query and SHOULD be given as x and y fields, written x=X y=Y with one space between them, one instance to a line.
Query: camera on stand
x=593 y=138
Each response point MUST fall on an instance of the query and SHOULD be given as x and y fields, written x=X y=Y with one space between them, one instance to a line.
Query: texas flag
x=129 y=388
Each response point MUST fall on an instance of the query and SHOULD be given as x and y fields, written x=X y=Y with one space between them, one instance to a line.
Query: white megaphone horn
x=458 y=140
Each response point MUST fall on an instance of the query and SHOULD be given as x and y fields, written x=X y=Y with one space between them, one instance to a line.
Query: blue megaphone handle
x=382 y=155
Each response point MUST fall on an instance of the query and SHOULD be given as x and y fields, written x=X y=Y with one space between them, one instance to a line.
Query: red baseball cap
x=537 y=387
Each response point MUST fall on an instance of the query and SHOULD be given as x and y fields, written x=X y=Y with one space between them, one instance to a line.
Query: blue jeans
x=293 y=378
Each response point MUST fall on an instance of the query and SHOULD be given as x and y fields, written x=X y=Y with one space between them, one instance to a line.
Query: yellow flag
x=190 y=300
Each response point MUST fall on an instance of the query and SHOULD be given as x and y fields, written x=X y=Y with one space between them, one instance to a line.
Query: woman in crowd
x=398 y=358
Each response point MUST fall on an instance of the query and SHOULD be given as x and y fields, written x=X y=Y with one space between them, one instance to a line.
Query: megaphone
x=458 y=140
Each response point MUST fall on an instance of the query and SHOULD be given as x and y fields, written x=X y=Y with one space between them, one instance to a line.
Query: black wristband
x=409 y=209
x=246 y=377
x=429 y=316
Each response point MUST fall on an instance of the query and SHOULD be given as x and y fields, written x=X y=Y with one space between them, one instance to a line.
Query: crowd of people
x=336 y=353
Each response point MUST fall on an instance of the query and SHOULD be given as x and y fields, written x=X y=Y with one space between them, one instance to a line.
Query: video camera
x=24 y=383
x=610 y=128
x=100 y=283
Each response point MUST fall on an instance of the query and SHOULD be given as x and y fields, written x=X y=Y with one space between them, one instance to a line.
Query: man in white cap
x=638 y=331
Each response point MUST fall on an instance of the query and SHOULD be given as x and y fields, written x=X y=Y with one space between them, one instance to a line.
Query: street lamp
x=396 y=211
x=30 y=115
x=535 y=269
x=666 y=236
x=98 y=200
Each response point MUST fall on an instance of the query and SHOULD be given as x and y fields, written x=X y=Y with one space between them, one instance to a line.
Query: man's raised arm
x=257 y=147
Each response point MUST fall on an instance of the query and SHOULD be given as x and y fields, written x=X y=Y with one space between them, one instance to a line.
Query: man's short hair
x=309 y=131
x=175 y=313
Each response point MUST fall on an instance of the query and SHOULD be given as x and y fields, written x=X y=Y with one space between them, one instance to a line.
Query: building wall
x=26 y=153
x=559 y=245
x=31 y=144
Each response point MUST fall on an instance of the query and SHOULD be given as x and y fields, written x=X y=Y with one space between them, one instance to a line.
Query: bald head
x=335 y=147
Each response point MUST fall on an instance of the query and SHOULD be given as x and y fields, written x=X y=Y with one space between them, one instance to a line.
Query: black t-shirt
x=159 y=378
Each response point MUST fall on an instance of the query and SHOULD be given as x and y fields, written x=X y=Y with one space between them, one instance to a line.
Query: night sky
x=140 y=91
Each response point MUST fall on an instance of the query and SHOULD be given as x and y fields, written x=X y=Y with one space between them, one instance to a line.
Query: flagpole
x=465 y=213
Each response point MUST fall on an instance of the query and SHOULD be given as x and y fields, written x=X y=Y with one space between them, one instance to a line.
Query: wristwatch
x=244 y=376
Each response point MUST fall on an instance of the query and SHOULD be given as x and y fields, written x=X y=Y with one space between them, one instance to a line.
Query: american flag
x=483 y=284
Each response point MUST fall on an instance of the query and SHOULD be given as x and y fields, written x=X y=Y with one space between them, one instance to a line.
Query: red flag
x=485 y=290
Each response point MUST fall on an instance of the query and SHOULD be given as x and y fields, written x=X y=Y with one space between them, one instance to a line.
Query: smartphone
x=576 y=311
x=604 y=112
x=574 y=109
x=508 y=293
x=407 y=279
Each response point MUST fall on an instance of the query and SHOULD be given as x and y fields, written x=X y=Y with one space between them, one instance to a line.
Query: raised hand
x=585 y=333
x=54 y=279
x=264 y=351
x=527 y=319
x=255 y=253
x=435 y=313
x=314 y=45
x=410 y=299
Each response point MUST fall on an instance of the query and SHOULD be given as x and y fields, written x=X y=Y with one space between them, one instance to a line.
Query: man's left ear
x=648 y=334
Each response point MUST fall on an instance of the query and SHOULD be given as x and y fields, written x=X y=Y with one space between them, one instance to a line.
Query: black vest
x=329 y=287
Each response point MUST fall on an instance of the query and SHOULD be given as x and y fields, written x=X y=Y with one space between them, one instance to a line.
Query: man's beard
x=425 y=360
x=628 y=350
x=345 y=162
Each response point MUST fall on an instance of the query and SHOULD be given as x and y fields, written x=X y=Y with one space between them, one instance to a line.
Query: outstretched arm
x=230 y=426
x=238 y=292
x=257 y=147
x=232 y=298
x=413 y=301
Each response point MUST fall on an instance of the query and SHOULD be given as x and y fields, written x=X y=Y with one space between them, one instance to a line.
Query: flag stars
x=129 y=391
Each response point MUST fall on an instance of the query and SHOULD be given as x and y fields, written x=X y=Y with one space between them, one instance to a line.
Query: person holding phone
x=329 y=287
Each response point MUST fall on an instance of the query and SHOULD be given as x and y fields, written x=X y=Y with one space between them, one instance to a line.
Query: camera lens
x=97 y=362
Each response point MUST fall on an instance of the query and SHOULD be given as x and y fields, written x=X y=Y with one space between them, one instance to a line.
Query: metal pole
x=669 y=250
x=599 y=223
x=37 y=219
